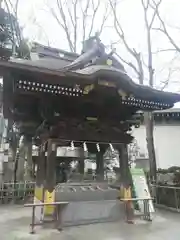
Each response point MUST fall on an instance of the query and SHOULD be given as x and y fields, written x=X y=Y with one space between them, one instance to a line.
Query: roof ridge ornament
x=94 y=53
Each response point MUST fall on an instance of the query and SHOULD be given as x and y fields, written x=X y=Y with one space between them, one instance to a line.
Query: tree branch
x=164 y=50
x=68 y=19
x=74 y=20
x=34 y=21
x=14 y=7
x=166 y=82
x=12 y=27
x=119 y=29
x=131 y=51
x=156 y=7
x=95 y=9
x=128 y=63
x=148 y=33
x=170 y=72
x=75 y=24
x=165 y=31
x=64 y=25
x=105 y=17
x=15 y=14
x=84 y=16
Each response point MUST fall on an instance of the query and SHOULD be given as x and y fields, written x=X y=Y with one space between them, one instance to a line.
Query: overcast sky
x=40 y=26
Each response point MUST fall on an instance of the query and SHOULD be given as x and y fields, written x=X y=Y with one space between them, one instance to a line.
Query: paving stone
x=14 y=225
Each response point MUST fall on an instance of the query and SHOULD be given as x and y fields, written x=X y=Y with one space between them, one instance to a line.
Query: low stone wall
x=88 y=212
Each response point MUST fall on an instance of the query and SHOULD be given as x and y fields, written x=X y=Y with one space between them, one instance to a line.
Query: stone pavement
x=14 y=225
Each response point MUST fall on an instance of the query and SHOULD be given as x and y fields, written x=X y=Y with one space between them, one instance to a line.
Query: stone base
x=81 y=213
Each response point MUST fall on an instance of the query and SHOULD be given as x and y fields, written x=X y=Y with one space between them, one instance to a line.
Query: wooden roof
x=104 y=75
x=47 y=88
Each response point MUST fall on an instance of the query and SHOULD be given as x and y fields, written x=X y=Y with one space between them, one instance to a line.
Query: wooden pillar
x=81 y=169
x=8 y=167
x=7 y=176
x=21 y=161
x=9 y=150
x=46 y=177
x=51 y=166
x=29 y=165
x=149 y=123
x=41 y=167
x=125 y=177
x=40 y=175
x=100 y=166
x=50 y=180
x=81 y=166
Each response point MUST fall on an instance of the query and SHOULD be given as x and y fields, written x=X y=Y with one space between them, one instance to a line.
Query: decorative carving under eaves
x=79 y=130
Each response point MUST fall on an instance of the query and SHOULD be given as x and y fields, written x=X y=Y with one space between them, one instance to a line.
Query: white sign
x=141 y=188
x=1 y=157
x=5 y=158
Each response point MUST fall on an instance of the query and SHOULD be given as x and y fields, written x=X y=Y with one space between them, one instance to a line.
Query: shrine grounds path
x=14 y=225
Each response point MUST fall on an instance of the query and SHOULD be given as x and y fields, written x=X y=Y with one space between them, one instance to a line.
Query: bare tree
x=164 y=29
x=171 y=70
x=138 y=65
x=78 y=16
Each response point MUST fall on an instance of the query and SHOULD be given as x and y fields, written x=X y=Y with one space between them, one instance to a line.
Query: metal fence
x=166 y=196
x=20 y=192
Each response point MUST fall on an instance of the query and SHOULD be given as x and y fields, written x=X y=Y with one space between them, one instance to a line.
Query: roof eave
x=120 y=78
